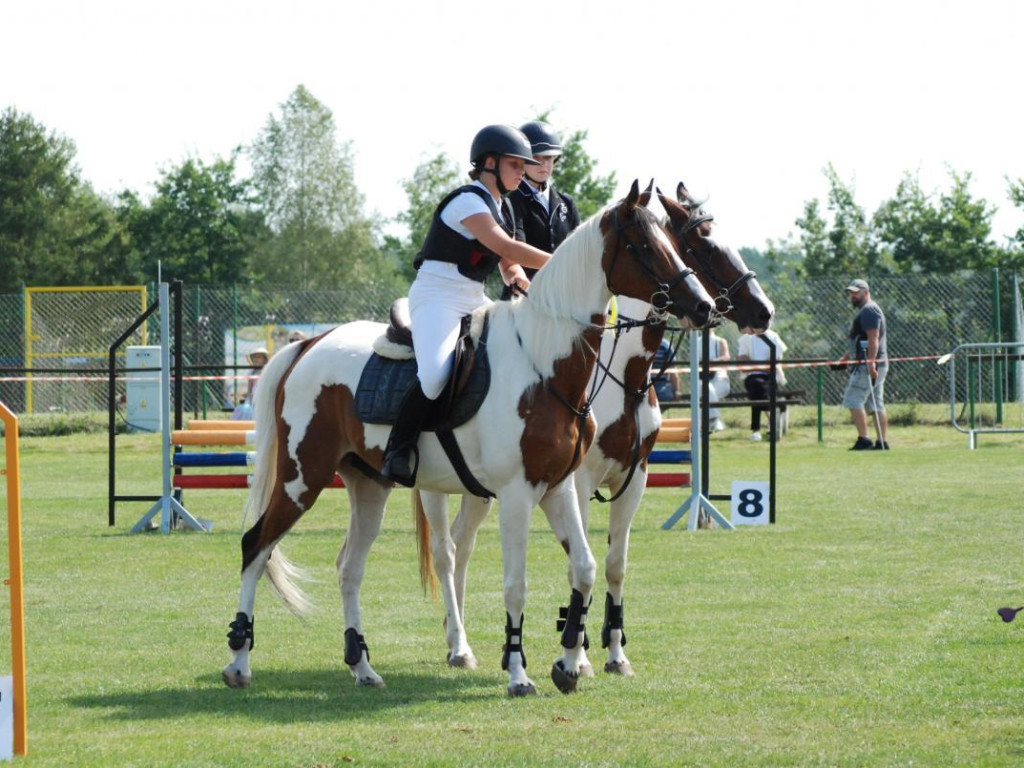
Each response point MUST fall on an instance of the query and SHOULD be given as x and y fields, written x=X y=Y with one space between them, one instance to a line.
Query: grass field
x=859 y=630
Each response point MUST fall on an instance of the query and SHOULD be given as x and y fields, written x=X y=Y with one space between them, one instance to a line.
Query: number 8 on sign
x=749 y=502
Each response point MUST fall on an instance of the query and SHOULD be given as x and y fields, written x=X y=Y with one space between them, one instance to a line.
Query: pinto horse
x=524 y=442
x=627 y=412
x=628 y=416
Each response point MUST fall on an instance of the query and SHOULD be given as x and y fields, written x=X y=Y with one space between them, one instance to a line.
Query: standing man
x=866 y=387
x=544 y=216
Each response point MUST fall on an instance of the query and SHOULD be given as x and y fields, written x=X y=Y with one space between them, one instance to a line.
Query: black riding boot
x=398 y=457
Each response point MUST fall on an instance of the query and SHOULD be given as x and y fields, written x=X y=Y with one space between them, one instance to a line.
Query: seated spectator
x=719 y=385
x=666 y=385
x=752 y=348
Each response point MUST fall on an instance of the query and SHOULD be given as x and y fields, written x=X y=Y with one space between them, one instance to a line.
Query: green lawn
x=859 y=630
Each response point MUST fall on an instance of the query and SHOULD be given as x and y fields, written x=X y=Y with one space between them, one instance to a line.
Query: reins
x=638 y=395
x=660 y=301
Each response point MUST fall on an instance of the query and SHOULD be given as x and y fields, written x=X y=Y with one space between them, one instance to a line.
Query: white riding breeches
x=438 y=299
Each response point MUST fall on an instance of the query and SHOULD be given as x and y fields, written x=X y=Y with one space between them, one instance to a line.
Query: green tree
x=1014 y=255
x=430 y=182
x=574 y=175
x=782 y=257
x=304 y=176
x=947 y=234
x=814 y=243
x=844 y=246
x=54 y=229
x=201 y=225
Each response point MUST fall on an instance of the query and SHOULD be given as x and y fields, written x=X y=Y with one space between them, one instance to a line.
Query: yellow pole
x=16 y=579
x=28 y=349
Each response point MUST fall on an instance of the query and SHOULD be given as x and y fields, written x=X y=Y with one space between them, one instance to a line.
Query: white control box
x=142 y=389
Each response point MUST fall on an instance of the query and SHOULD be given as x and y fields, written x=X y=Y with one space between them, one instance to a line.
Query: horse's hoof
x=623 y=668
x=564 y=681
x=369 y=682
x=235 y=679
x=467 y=661
x=521 y=689
x=587 y=670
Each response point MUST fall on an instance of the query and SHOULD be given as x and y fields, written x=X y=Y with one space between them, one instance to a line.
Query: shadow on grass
x=287 y=696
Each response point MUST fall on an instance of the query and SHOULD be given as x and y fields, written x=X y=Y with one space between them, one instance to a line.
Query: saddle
x=391 y=372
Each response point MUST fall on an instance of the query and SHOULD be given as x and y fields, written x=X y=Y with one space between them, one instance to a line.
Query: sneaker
x=719 y=425
x=755 y=437
x=863 y=444
x=881 y=446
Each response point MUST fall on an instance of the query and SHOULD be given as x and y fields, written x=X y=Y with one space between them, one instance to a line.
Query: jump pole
x=16 y=580
x=167 y=504
x=697 y=500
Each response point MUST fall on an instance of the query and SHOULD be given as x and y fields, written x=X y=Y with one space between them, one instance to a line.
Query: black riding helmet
x=500 y=140
x=495 y=141
x=544 y=140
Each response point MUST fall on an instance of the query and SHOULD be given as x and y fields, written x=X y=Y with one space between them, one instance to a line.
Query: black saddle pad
x=385 y=382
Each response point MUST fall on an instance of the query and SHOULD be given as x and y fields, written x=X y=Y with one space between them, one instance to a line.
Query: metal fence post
x=821 y=402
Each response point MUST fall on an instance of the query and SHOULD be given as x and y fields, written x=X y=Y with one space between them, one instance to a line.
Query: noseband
x=661 y=298
x=725 y=294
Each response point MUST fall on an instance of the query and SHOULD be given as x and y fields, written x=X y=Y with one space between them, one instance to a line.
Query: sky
x=746 y=101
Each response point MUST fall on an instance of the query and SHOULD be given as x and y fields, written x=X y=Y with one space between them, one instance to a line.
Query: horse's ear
x=682 y=195
x=677 y=214
x=634 y=195
x=645 y=196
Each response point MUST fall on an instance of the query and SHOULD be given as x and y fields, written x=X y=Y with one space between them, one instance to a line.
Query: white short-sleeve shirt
x=754 y=349
x=464 y=205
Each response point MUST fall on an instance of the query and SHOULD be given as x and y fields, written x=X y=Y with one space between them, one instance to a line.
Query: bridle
x=661 y=299
x=725 y=293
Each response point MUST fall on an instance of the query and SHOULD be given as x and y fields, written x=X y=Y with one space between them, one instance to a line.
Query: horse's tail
x=281 y=572
x=428 y=578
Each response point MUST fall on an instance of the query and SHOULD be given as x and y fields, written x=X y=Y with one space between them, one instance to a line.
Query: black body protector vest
x=472 y=257
x=542 y=228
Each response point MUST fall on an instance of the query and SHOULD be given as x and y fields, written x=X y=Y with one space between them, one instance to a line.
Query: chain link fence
x=927 y=315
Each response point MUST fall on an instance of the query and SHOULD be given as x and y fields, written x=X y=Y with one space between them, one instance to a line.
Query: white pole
x=167 y=503
x=697 y=500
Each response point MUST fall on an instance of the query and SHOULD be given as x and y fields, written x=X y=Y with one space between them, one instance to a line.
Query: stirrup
x=403 y=452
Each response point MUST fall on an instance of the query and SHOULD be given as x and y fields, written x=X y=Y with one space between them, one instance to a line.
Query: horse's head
x=737 y=294
x=640 y=261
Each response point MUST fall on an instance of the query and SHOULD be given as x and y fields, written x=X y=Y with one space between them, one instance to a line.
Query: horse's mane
x=568 y=277
x=562 y=291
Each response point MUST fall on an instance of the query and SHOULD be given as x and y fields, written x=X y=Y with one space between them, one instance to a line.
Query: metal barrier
x=984 y=392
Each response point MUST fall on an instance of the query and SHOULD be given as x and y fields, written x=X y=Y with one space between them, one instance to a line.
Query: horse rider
x=472 y=232
x=545 y=216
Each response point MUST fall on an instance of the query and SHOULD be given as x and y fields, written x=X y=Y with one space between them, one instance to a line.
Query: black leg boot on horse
x=399 y=462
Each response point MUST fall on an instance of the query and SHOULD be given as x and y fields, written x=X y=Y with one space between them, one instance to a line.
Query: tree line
x=298 y=219
x=913 y=232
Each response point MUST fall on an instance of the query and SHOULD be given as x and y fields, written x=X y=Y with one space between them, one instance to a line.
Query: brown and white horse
x=626 y=409
x=527 y=438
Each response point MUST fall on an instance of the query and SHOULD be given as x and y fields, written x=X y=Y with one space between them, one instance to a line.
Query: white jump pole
x=167 y=504
x=697 y=500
